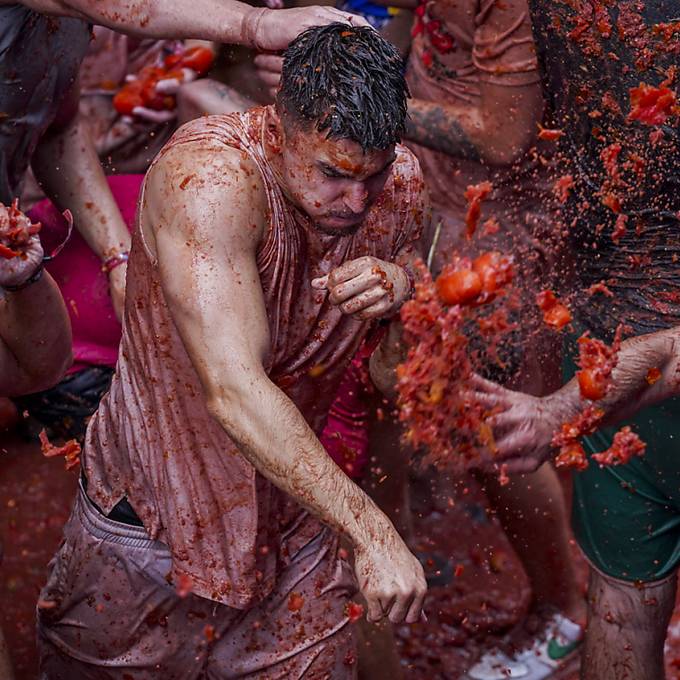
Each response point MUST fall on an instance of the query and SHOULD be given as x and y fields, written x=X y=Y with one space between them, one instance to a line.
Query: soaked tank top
x=593 y=52
x=152 y=438
x=39 y=61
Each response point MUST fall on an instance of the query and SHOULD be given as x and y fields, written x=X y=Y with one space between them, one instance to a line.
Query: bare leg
x=532 y=511
x=626 y=628
x=6 y=672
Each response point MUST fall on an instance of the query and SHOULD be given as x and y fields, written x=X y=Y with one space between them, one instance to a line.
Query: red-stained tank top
x=153 y=440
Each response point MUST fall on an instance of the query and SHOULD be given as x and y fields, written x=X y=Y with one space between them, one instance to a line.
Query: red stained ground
x=488 y=594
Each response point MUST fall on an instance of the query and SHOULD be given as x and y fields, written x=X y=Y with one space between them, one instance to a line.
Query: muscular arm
x=630 y=391
x=500 y=124
x=35 y=338
x=224 y=21
x=496 y=131
x=205 y=215
x=525 y=425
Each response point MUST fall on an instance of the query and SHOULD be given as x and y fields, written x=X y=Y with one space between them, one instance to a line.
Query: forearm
x=272 y=434
x=440 y=128
x=218 y=20
x=630 y=390
x=36 y=338
x=68 y=169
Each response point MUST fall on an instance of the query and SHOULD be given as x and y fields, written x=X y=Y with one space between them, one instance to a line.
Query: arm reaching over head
x=525 y=425
x=205 y=232
x=224 y=21
x=35 y=331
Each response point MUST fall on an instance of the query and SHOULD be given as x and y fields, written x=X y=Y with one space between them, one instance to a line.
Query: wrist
x=33 y=278
x=114 y=261
x=250 y=26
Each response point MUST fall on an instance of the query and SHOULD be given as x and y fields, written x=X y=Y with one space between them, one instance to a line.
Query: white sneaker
x=548 y=652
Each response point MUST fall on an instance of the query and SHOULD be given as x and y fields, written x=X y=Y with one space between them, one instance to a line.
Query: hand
x=117 y=288
x=390 y=578
x=19 y=269
x=268 y=67
x=524 y=426
x=366 y=288
x=272 y=29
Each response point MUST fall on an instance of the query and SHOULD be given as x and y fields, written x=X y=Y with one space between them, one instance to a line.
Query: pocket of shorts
x=53 y=593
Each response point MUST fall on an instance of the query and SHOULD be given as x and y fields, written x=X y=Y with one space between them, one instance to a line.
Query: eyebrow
x=340 y=173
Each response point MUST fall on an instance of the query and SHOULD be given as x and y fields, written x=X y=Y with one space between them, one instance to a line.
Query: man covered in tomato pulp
x=611 y=78
x=204 y=540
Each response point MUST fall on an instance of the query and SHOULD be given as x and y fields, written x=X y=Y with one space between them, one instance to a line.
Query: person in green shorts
x=610 y=86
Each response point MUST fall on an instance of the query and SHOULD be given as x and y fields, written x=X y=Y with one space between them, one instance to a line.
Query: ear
x=275 y=133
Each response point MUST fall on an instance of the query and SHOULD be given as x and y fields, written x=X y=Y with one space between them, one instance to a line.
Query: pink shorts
x=108 y=612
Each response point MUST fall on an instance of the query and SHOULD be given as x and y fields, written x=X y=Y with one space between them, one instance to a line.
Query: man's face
x=332 y=180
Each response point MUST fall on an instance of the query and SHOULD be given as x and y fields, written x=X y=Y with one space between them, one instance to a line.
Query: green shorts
x=627 y=518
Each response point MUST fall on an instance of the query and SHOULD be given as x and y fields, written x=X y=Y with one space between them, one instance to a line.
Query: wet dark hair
x=347 y=80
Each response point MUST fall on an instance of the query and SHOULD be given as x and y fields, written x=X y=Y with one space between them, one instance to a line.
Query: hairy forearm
x=36 y=338
x=272 y=434
x=218 y=20
x=630 y=391
x=439 y=128
x=68 y=169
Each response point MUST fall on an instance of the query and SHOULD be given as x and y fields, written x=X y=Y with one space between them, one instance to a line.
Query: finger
x=168 y=85
x=401 y=608
x=152 y=115
x=415 y=612
x=503 y=423
x=374 y=611
x=376 y=311
x=349 y=289
x=348 y=270
x=348 y=18
x=269 y=79
x=483 y=385
x=320 y=283
x=487 y=400
x=269 y=62
x=363 y=301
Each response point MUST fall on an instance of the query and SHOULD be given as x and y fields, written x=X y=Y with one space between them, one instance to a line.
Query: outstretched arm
x=224 y=21
x=525 y=425
x=35 y=331
x=205 y=213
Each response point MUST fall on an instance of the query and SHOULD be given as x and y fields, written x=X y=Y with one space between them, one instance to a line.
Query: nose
x=356 y=197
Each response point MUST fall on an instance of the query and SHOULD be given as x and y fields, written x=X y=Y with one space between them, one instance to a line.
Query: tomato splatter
x=474 y=195
x=70 y=450
x=652 y=105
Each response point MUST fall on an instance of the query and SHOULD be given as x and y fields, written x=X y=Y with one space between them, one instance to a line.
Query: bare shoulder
x=202 y=187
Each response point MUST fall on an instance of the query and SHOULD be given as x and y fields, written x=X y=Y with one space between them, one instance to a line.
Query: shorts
x=626 y=518
x=65 y=409
x=109 y=612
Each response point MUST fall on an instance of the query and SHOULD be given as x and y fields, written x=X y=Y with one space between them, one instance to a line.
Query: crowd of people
x=234 y=275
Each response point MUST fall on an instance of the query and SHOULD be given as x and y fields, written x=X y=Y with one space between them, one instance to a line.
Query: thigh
x=108 y=611
x=301 y=629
